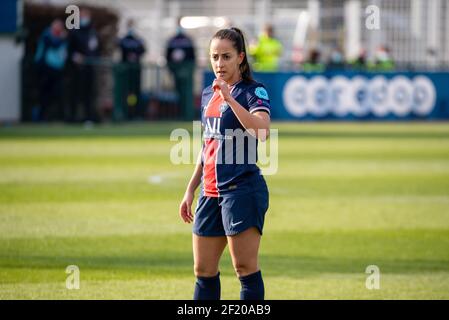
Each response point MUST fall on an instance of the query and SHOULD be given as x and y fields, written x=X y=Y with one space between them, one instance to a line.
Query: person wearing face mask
x=336 y=61
x=132 y=48
x=83 y=50
x=382 y=60
x=180 y=56
x=50 y=60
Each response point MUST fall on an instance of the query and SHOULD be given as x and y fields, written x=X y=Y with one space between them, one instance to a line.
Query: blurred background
x=320 y=59
x=360 y=99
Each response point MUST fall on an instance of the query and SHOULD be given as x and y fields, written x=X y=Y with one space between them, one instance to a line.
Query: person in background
x=180 y=56
x=360 y=63
x=382 y=60
x=336 y=60
x=50 y=59
x=266 y=52
x=313 y=63
x=83 y=50
x=132 y=48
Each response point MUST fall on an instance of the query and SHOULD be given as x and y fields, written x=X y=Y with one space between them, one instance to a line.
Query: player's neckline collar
x=236 y=83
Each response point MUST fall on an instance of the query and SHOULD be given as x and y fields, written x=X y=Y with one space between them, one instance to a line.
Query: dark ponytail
x=235 y=35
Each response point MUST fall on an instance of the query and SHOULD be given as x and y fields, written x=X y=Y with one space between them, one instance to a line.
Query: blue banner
x=8 y=16
x=356 y=96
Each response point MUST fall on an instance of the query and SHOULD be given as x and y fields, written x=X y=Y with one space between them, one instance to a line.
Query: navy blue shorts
x=230 y=214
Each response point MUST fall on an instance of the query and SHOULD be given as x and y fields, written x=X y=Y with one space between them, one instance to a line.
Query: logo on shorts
x=235 y=224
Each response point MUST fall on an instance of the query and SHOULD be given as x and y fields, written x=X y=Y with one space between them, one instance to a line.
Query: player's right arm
x=185 y=208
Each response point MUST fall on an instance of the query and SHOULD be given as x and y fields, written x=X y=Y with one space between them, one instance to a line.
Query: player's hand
x=185 y=208
x=223 y=89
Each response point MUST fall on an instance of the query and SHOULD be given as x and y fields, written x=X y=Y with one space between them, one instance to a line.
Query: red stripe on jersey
x=209 y=173
x=213 y=107
x=210 y=149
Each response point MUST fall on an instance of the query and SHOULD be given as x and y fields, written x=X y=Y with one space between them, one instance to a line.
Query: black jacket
x=180 y=49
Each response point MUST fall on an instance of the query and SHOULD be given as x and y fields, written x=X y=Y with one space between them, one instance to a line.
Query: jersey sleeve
x=258 y=99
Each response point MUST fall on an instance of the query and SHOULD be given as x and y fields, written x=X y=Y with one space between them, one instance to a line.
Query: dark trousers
x=50 y=94
x=132 y=73
x=183 y=76
x=82 y=80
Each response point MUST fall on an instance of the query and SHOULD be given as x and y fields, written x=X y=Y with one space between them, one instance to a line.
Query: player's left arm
x=257 y=123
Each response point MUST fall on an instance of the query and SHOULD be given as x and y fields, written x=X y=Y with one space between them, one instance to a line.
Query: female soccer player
x=235 y=112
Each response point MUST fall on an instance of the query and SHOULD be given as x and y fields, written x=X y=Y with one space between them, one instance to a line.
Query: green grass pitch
x=106 y=199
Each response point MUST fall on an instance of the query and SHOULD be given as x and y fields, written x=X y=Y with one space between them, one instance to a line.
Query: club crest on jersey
x=261 y=93
x=223 y=107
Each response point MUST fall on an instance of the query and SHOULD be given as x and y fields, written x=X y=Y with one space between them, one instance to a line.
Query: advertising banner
x=354 y=95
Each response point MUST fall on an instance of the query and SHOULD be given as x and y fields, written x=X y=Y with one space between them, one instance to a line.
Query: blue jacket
x=51 y=51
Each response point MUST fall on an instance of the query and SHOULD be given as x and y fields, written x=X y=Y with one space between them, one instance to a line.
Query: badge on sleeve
x=261 y=93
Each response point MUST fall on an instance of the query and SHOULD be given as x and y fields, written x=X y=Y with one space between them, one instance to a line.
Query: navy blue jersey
x=132 y=48
x=180 y=49
x=229 y=153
